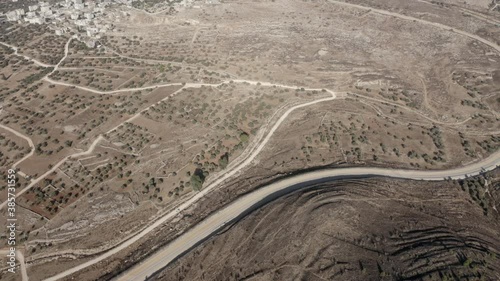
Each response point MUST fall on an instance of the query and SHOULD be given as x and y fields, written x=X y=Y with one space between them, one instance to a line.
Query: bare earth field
x=173 y=101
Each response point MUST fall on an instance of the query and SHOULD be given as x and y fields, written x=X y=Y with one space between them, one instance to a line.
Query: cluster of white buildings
x=85 y=18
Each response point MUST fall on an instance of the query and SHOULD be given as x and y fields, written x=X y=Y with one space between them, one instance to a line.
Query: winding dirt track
x=20 y=259
x=30 y=143
x=57 y=165
x=37 y=62
x=162 y=258
x=203 y=231
x=204 y=191
x=435 y=24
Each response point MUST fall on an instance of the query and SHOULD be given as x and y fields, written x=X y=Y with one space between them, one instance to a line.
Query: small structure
x=33 y=8
x=35 y=20
x=15 y=15
x=91 y=31
x=84 y=18
x=90 y=43
x=12 y=16
x=44 y=9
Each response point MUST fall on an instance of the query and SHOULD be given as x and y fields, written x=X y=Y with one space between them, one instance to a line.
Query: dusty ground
x=409 y=95
x=356 y=230
x=360 y=132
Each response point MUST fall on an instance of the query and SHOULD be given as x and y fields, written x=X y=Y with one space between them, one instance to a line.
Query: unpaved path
x=20 y=259
x=37 y=180
x=37 y=62
x=24 y=273
x=30 y=143
x=230 y=173
x=412 y=110
x=204 y=191
x=66 y=51
x=109 y=92
x=435 y=24
x=426 y=95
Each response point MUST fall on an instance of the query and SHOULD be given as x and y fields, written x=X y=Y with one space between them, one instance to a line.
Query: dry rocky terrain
x=367 y=229
x=131 y=129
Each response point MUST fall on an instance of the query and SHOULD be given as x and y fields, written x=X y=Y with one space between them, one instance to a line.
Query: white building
x=48 y=13
x=90 y=43
x=79 y=6
x=15 y=15
x=103 y=29
x=91 y=31
x=33 y=8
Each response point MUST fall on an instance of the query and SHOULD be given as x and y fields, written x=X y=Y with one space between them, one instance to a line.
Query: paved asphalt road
x=255 y=199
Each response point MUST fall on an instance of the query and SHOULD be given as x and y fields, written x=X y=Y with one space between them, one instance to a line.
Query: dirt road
x=37 y=180
x=37 y=62
x=200 y=194
x=20 y=259
x=435 y=24
x=30 y=143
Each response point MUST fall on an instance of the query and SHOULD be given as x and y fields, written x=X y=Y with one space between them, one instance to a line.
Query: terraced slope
x=359 y=230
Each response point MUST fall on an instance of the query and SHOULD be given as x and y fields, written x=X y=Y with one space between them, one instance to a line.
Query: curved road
x=205 y=190
x=255 y=199
x=160 y=262
x=57 y=165
x=409 y=18
x=30 y=143
x=20 y=259
x=37 y=62
x=487 y=164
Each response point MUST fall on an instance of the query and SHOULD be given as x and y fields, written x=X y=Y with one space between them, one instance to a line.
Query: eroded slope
x=358 y=230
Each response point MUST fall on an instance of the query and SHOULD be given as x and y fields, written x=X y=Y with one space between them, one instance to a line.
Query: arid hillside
x=180 y=109
x=372 y=229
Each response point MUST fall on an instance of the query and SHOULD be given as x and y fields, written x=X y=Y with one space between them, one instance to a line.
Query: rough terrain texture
x=419 y=93
x=372 y=229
